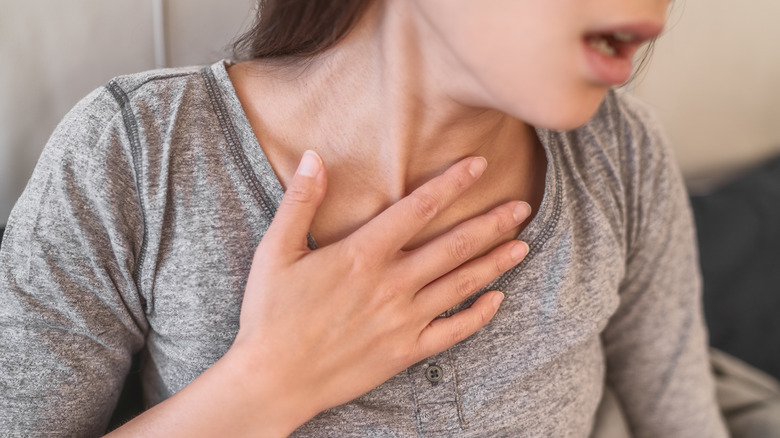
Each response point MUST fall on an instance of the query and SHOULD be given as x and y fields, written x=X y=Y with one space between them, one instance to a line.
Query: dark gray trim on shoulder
x=131 y=126
x=156 y=77
x=234 y=144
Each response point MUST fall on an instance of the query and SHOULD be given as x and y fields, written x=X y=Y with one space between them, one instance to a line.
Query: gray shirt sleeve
x=70 y=314
x=655 y=343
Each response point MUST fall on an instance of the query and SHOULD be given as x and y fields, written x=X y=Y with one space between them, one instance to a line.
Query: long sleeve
x=656 y=341
x=71 y=316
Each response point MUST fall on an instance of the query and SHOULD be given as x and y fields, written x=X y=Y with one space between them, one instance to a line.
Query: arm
x=70 y=314
x=656 y=342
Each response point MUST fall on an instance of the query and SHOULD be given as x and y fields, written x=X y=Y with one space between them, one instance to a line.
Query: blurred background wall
x=54 y=52
x=713 y=77
x=714 y=80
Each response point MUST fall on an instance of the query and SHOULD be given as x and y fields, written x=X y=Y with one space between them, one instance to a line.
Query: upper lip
x=643 y=31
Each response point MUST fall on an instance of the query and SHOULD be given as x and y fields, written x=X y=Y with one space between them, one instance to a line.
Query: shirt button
x=434 y=373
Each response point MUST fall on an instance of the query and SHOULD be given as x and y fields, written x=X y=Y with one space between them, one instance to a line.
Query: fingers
x=456 y=286
x=459 y=245
x=394 y=227
x=303 y=196
x=443 y=333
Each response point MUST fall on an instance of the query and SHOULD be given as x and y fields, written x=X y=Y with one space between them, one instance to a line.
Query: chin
x=561 y=115
x=562 y=119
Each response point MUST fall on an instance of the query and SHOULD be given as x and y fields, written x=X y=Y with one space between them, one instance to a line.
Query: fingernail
x=497 y=299
x=519 y=250
x=310 y=164
x=477 y=166
x=522 y=211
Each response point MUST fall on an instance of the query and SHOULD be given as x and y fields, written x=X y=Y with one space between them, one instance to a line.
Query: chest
x=557 y=304
x=350 y=204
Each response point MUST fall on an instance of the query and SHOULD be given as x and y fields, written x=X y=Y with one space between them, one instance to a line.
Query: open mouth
x=609 y=51
x=615 y=44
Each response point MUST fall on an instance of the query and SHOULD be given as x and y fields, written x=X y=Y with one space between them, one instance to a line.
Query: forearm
x=230 y=399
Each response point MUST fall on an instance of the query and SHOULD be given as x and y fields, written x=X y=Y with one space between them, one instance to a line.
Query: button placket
x=436 y=395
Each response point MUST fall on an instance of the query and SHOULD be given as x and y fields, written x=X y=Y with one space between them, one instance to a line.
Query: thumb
x=303 y=196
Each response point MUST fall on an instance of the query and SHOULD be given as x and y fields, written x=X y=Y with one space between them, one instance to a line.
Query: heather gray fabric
x=137 y=229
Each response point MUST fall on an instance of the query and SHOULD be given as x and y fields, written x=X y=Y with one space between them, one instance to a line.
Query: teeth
x=602 y=45
x=624 y=37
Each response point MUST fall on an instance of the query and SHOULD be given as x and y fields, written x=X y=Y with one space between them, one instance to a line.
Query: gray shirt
x=137 y=229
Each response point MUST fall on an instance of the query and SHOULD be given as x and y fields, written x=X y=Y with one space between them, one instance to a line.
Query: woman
x=442 y=125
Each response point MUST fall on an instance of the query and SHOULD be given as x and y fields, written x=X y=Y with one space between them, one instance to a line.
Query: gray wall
x=54 y=52
x=714 y=78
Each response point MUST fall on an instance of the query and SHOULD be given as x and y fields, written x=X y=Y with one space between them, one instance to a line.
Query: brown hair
x=297 y=28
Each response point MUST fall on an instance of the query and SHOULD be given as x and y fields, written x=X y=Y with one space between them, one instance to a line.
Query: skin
x=397 y=110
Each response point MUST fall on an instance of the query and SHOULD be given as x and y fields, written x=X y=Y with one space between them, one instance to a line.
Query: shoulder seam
x=131 y=126
x=153 y=79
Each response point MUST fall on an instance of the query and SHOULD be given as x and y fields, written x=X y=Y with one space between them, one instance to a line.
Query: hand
x=323 y=327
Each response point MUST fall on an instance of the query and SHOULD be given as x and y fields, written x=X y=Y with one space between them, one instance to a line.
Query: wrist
x=266 y=391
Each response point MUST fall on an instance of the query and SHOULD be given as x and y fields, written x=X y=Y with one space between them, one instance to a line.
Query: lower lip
x=609 y=70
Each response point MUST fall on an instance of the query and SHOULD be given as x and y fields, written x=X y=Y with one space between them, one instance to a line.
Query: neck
x=387 y=110
x=378 y=104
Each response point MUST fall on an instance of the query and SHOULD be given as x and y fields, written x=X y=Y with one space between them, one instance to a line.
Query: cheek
x=515 y=62
x=543 y=88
